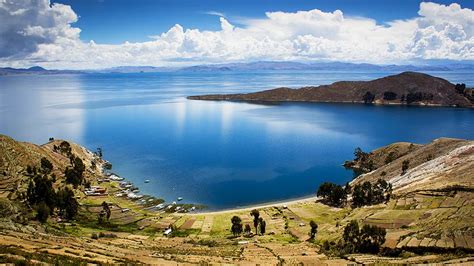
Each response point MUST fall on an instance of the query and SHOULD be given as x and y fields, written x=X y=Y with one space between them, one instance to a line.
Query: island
x=406 y=88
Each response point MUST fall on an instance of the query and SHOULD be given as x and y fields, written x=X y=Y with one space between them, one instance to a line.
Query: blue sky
x=117 y=21
x=91 y=34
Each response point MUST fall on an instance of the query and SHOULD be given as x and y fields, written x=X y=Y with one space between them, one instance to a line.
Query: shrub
x=42 y=212
x=368 y=97
x=389 y=95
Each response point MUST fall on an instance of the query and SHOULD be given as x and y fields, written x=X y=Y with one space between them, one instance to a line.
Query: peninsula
x=407 y=88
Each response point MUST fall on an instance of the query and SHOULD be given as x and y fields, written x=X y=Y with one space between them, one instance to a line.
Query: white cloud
x=215 y=13
x=28 y=23
x=36 y=32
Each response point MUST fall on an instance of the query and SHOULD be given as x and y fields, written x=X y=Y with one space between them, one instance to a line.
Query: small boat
x=147 y=181
x=180 y=198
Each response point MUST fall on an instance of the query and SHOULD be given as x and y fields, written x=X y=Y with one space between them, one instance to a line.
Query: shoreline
x=259 y=206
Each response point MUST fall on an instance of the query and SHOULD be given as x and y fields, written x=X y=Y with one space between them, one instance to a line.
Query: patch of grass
x=184 y=232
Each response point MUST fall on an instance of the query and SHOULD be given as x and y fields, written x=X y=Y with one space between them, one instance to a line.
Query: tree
x=405 y=166
x=371 y=238
x=347 y=188
x=100 y=217
x=65 y=147
x=263 y=225
x=325 y=189
x=389 y=95
x=314 y=229
x=368 y=194
x=42 y=212
x=74 y=175
x=368 y=97
x=106 y=209
x=382 y=190
x=247 y=229
x=351 y=235
x=236 y=225
x=332 y=194
x=391 y=157
x=256 y=214
x=67 y=203
x=368 y=239
x=40 y=189
x=46 y=166
x=337 y=196
x=460 y=88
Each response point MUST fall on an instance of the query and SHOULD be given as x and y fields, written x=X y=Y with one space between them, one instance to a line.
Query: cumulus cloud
x=37 y=32
x=29 y=23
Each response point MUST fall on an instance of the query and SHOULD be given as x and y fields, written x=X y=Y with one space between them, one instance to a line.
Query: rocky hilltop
x=409 y=88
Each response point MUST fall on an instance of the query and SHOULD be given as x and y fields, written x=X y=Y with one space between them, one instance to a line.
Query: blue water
x=221 y=154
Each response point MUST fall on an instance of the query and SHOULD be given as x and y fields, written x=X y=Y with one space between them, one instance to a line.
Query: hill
x=409 y=88
x=427 y=219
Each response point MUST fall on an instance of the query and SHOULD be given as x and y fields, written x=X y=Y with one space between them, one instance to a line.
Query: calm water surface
x=222 y=154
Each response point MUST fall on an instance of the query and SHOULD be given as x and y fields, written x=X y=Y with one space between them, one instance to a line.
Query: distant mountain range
x=253 y=66
x=34 y=70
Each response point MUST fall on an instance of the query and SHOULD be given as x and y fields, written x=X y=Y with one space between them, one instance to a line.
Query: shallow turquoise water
x=222 y=154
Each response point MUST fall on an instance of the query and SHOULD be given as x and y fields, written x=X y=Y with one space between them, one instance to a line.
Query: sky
x=91 y=34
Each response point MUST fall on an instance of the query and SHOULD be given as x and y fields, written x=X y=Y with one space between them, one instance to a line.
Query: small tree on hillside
x=256 y=214
x=67 y=203
x=368 y=97
x=405 y=166
x=46 y=166
x=248 y=229
x=42 y=212
x=351 y=235
x=314 y=229
x=236 y=227
x=106 y=209
x=371 y=238
x=263 y=225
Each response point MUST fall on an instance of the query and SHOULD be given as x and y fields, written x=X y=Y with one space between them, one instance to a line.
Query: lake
x=221 y=154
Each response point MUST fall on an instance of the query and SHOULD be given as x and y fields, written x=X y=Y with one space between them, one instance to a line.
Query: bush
x=389 y=96
x=42 y=212
x=46 y=166
x=368 y=97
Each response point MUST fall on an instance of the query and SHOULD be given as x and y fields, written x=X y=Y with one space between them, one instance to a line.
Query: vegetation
x=44 y=199
x=405 y=166
x=391 y=157
x=104 y=214
x=314 y=229
x=366 y=240
x=412 y=97
x=389 y=96
x=67 y=203
x=362 y=159
x=74 y=175
x=368 y=97
x=332 y=194
x=368 y=194
x=256 y=214
x=262 y=225
x=362 y=194
x=236 y=228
